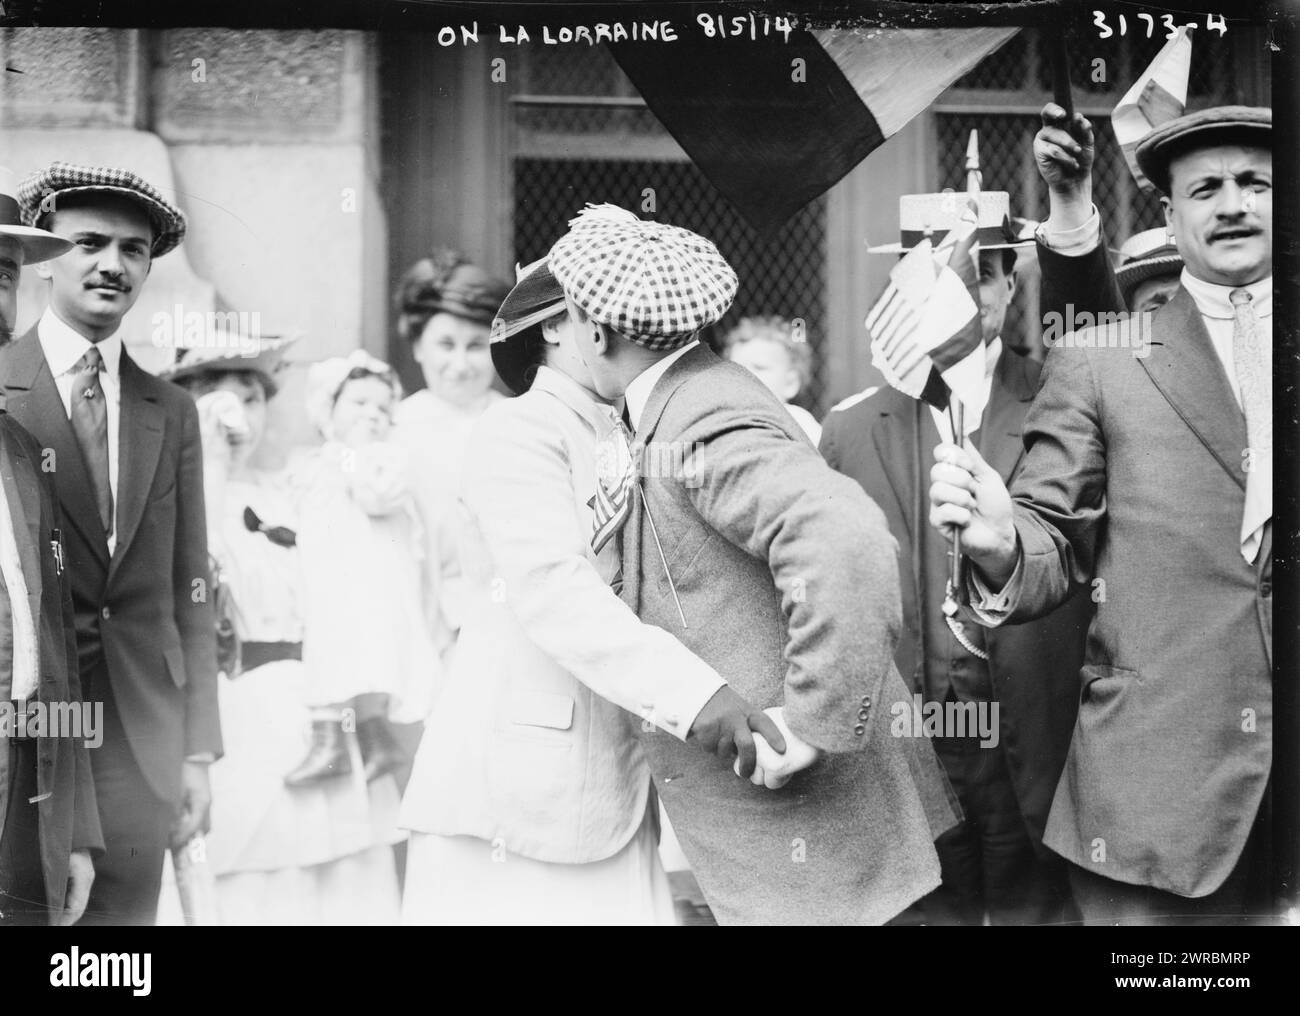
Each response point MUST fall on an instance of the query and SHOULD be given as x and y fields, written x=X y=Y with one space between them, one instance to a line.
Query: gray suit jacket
x=788 y=580
x=1133 y=478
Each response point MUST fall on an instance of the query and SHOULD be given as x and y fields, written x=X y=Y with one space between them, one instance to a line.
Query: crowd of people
x=457 y=660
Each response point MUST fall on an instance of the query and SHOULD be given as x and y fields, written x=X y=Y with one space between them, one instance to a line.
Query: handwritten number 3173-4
x=1213 y=22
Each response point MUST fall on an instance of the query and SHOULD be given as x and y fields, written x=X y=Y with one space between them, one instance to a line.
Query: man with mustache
x=124 y=451
x=1149 y=478
x=48 y=820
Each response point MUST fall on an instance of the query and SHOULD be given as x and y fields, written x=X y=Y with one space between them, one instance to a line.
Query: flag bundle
x=926 y=334
x=1158 y=96
x=615 y=479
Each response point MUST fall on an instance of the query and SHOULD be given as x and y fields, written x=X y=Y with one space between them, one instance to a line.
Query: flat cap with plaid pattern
x=652 y=283
x=39 y=193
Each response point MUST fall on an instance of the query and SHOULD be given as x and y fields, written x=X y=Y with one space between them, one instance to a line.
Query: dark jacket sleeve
x=1085 y=282
x=830 y=554
x=191 y=583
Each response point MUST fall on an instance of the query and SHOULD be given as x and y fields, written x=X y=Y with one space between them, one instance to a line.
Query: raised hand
x=967 y=495
x=726 y=727
x=1064 y=150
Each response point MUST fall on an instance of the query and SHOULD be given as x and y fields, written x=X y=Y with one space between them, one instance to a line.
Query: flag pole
x=1061 y=93
x=956 y=411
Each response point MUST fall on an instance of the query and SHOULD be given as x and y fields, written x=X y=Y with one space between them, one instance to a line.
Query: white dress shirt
x=1216 y=311
x=63 y=347
x=638 y=391
x=26 y=660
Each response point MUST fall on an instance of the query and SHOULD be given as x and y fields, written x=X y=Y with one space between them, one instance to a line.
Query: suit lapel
x=1004 y=416
x=24 y=502
x=1188 y=372
x=140 y=436
x=34 y=401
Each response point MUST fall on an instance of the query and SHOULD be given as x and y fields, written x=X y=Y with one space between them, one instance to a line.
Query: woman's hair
x=360 y=373
x=445 y=283
x=206 y=381
x=534 y=345
x=772 y=328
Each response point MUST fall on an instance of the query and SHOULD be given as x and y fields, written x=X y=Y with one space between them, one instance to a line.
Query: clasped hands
x=766 y=752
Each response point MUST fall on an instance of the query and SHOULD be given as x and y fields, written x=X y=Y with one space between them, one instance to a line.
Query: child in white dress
x=366 y=641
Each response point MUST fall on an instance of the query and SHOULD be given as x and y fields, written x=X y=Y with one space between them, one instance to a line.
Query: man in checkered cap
x=128 y=470
x=773 y=569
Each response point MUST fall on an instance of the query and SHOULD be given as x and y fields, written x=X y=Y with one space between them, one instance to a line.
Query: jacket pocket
x=535 y=711
x=175 y=662
x=1103 y=685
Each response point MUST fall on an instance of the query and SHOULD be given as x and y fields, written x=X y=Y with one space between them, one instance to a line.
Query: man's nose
x=1234 y=202
x=110 y=260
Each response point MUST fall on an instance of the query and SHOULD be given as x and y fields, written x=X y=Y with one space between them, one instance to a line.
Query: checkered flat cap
x=653 y=283
x=39 y=193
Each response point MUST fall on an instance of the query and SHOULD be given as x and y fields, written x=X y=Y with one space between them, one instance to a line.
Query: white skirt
x=463 y=880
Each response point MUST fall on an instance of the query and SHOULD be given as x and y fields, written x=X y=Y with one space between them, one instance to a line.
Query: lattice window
x=784 y=275
x=580 y=133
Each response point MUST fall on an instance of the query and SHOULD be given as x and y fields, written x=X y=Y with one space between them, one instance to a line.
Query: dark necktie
x=90 y=424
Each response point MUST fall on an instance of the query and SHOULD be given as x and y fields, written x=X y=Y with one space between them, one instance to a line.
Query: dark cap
x=1246 y=125
x=445 y=283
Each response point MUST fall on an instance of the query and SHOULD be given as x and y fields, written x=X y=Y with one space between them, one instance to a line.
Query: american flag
x=615 y=479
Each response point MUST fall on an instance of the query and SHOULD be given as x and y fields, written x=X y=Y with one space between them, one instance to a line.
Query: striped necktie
x=1255 y=378
x=615 y=479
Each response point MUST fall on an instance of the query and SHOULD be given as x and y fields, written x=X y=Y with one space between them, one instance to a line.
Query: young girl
x=316 y=854
x=366 y=641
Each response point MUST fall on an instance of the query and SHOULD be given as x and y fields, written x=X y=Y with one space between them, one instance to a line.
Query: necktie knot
x=91 y=362
x=1240 y=297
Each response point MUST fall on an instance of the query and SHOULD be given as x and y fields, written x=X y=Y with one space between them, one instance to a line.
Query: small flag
x=615 y=478
x=927 y=325
x=1158 y=96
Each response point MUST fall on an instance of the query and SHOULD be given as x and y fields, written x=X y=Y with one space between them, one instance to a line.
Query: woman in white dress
x=311 y=855
x=445 y=306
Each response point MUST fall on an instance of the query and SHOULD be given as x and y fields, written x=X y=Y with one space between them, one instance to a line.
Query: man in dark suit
x=1147 y=476
x=993 y=862
x=773 y=569
x=48 y=821
x=127 y=465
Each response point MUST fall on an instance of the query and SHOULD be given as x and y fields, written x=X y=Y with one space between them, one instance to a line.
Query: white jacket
x=531 y=744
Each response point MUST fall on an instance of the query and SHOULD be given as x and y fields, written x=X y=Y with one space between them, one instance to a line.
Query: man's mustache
x=102 y=283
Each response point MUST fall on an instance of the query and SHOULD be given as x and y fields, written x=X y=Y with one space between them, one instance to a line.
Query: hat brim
x=1128 y=277
x=899 y=248
x=37 y=244
x=169 y=231
x=266 y=363
x=1200 y=130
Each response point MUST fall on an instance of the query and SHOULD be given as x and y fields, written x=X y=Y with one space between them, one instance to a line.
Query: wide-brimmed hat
x=39 y=193
x=37 y=244
x=536 y=298
x=1248 y=125
x=226 y=351
x=653 y=283
x=934 y=215
x=1144 y=256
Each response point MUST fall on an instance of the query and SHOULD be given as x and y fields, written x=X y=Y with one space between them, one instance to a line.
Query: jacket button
x=863 y=713
x=866 y=700
x=1266 y=588
x=859 y=730
x=105 y=613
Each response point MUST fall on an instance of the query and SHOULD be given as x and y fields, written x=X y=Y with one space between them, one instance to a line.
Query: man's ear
x=1012 y=281
x=1168 y=206
x=42 y=270
x=600 y=338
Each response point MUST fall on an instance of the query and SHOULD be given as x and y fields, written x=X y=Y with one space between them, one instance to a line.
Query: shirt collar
x=638 y=391
x=599 y=414
x=64 y=345
x=1214 y=301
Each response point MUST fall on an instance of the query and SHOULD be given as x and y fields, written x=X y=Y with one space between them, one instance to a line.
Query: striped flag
x=1158 y=96
x=615 y=479
x=926 y=334
x=775 y=123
